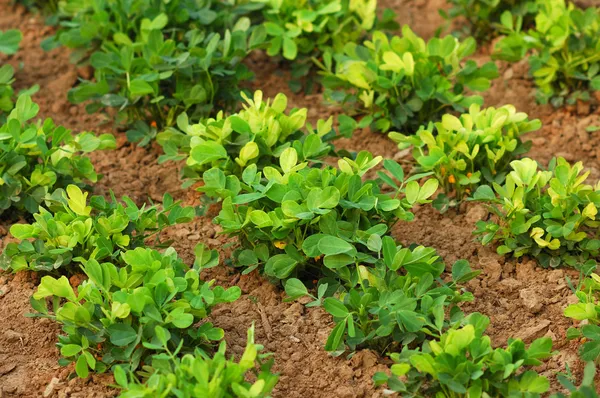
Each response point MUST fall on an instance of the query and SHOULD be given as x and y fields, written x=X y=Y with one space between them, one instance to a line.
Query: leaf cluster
x=256 y=135
x=472 y=149
x=462 y=363
x=549 y=215
x=155 y=76
x=303 y=30
x=564 y=44
x=9 y=44
x=37 y=158
x=588 y=310
x=404 y=82
x=202 y=375
x=310 y=222
x=112 y=318
x=74 y=231
x=86 y=26
x=483 y=16
x=400 y=300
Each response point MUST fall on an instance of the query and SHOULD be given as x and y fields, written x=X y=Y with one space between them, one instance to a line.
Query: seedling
x=309 y=223
x=483 y=17
x=467 y=151
x=400 y=300
x=131 y=308
x=462 y=363
x=257 y=135
x=403 y=83
x=550 y=215
x=37 y=158
x=564 y=60
x=202 y=375
x=74 y=230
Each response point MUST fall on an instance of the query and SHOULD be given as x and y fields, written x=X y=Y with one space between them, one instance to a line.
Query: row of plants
x=122 y=305
x=325 y=227
x=153 y=64
x=324 y=232
x=559 y=38
x=127 y=307
x=153 y=60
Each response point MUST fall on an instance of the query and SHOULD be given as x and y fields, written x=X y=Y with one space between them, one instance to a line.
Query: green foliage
x=202 y=375
x=464 y=364
x=114 y=316
x=89 y=25
x=75 y=231
x=388 y=309
x=154 y=59
x=9 y=41
x=305 y=29
x=475 y=148
x=309 y=222
x=587 y=309
x=47 y=8
x=9 y=44
x=405 y=82
x=565 y=43
x=152 y=79
x=587 y=388
x=259 y=134
x=37 y=158
x=483 y=17
x=308 y=27
x=550 y=215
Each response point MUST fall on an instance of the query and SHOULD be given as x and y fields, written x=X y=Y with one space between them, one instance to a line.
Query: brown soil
x=521 y=299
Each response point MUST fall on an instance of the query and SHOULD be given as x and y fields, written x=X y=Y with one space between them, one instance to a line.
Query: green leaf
x=330 y=245
x=70 y=350
x=138 y=88
x=461 y=272
x=290 y=49
x=335 y=338
x=335 y=307
x=121 y=334
x=77 y=201
x=410 y=320
x=120 y=376
x=294 y=288
x=207 y=152
x=81 y=367
x=9 y=41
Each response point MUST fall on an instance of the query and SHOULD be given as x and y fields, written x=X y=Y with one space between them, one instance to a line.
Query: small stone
x=294 y=339
x=51 y=387
x=491 y=269
x=12 y=336
x=557 y=276
x=7 y=368
x=476 y=213
x=4 y=290
x=531 y=299
x=533 y=332
x=583 y=108
x=57 y=107
x=584 y=136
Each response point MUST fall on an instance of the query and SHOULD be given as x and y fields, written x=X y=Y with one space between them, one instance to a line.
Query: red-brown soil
x=521 y=299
